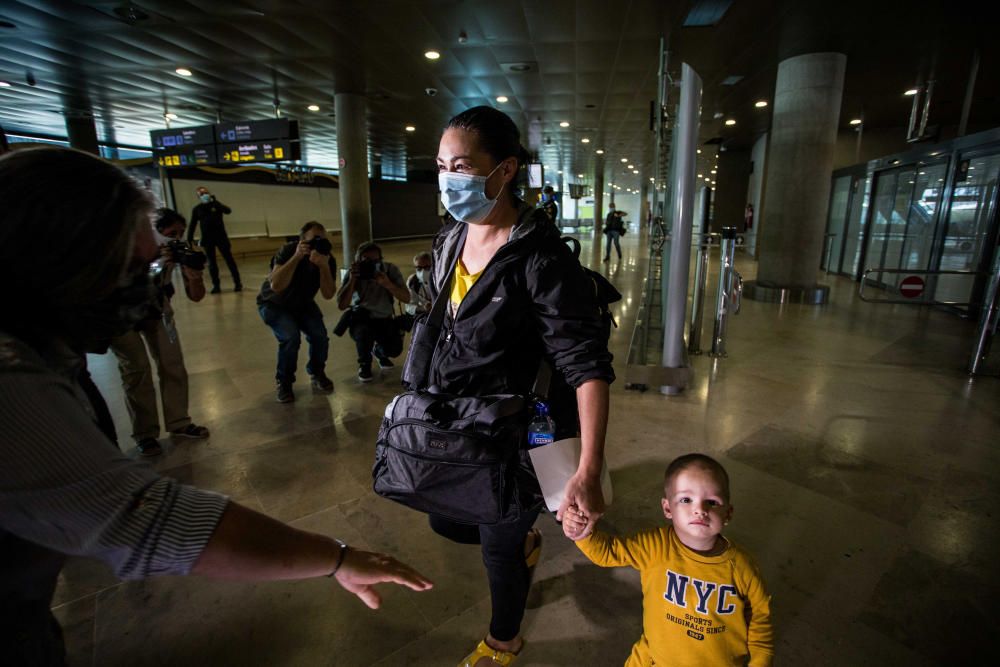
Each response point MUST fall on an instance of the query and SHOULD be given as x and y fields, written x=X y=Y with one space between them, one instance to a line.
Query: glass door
x=918 y=242
x=836 y=223
x=854 y=234
x=971 y=230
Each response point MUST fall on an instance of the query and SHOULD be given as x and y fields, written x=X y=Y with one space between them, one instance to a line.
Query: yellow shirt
x=696 y=610
x=462 y=283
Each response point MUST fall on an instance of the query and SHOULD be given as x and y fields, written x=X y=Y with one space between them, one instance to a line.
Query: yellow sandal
x=484 y=650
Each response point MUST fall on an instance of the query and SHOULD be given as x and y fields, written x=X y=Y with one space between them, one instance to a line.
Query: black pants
x=227 y=254
x=380 y=333
x=503 y=555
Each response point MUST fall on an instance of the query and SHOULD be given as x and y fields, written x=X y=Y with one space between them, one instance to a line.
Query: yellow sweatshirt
x=696 y=610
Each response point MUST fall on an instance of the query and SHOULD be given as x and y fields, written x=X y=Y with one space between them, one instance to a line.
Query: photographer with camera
x=419 y=284
x=287 y=304
x=369 y=293
x=209 y=212
x=158 y=334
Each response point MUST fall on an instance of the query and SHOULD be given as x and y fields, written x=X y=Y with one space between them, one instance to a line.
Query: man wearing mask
x=208 y=212
x=66 y=489
x=287 y=304
x=549 y=205
x=419 y=284
x=369 y=292
x=158 y=333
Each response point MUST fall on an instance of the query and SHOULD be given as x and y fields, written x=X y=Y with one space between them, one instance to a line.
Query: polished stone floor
x=865 y=469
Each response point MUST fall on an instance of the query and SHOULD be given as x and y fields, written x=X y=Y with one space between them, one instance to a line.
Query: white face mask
x=423 y=275
x=464 y=196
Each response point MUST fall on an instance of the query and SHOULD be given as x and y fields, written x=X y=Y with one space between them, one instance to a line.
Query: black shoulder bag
x=461 y=457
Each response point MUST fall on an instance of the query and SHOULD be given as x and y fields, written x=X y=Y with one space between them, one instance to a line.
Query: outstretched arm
x=249 y=546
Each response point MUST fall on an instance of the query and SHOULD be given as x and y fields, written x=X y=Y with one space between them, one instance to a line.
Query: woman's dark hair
x=167 y=217
x=309 y=226
x=498 y=136
x=88 y=232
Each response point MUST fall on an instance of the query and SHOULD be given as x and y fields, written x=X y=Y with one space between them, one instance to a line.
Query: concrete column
x=598 y=203
x=355 y=198
x=807 y=101
x=82 y=134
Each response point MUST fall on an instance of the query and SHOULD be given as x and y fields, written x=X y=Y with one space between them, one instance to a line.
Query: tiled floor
x=865 y=470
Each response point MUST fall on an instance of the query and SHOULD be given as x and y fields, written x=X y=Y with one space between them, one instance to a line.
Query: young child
x=704 y=602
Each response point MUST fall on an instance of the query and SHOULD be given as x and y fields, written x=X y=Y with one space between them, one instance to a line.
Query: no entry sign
x=911 y=287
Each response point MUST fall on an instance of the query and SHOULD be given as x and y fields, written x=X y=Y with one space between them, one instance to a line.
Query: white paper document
x=555 y=464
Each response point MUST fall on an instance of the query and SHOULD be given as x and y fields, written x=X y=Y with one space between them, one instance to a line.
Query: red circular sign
x=911 y=287
x=343 y=163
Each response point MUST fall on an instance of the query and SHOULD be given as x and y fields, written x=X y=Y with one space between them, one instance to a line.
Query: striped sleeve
x=64 y=486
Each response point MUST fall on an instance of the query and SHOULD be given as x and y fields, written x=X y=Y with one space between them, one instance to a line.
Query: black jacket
x=213 y=229
x=533 y=299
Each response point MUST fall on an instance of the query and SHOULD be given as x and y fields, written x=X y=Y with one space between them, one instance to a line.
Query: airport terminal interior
x=857 y=414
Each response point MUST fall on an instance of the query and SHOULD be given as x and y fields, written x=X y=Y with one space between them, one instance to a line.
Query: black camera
x=183 y=254
x=367 y=269
x=320 y=244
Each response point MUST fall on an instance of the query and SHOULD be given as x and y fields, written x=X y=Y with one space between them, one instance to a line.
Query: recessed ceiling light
x=635 y=171
x=559 y=172
x=631 y=166
x=184 y=71
x=730 y=121
x=699 y=151
x=911 y=92
x=712 y=172
x=599 y=151
x=564 y=124
x=579 y=175
x=431 y=55
x=501 y=99
x=624 y=159
x=4 y=84
x=313 y=107
x=171 y=116
x=855 y=121
x=585 y=140
x=760 y=104
x=410 y=128
x=700 y=176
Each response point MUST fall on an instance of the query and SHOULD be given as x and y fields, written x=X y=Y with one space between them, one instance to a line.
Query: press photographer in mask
x=208 y=212
x=66 y=488
x=369 y=293
x=158 y=334
x=287 y=304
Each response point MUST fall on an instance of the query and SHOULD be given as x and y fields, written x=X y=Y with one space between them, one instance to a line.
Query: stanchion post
x=698 y=299
x=726 y=257
x=988 y=318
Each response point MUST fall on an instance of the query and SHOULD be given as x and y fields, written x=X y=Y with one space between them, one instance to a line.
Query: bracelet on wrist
x=340 y=556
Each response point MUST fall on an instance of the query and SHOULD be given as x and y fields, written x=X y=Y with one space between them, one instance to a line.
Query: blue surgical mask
x=464 y=196
x=205 y=198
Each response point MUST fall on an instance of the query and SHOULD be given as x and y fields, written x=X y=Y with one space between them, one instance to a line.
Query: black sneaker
x=148 y=447
x=322 y=382
x=365 y=373
x=215 y=290
x=385 y=362
x=285 y=393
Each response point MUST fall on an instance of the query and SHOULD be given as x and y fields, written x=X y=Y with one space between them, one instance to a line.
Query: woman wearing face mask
x=517 y=296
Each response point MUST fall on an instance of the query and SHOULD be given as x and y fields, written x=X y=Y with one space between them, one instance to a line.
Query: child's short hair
x=682 y=463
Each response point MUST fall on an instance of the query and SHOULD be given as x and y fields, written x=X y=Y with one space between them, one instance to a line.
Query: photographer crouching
x=287 y=304
x=158 y=333
x=369 y=293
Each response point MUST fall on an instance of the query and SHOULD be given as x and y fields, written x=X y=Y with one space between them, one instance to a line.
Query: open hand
x=362 y=569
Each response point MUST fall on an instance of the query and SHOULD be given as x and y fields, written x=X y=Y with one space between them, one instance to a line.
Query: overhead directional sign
x=911 y=287
x=259 y=151
x=256 y=130
x=269 y=140
x=182 y=136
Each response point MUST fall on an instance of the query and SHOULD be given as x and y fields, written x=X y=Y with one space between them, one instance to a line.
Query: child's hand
x=573 y=523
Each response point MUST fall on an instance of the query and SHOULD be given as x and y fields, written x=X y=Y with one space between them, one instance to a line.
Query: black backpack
x=607 y=294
